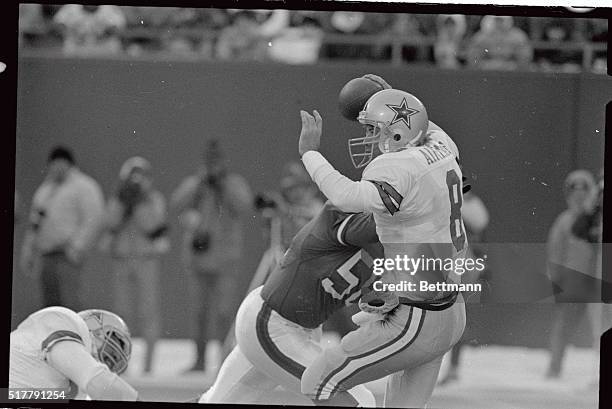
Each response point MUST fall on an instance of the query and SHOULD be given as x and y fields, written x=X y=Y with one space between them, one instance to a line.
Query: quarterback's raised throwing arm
x=346 y=194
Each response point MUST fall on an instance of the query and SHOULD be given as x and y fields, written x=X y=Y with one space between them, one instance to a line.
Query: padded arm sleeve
x=344 y=193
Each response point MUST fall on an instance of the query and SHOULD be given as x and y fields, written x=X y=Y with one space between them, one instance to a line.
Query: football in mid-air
x=356 y=93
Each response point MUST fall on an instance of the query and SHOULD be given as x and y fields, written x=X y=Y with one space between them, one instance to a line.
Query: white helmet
x=111 y=343
x=398 y=118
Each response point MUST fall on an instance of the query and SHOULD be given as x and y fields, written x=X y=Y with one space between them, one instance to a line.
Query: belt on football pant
x=437 y=305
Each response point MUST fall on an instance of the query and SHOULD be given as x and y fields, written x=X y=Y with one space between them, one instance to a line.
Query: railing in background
x=588 y=50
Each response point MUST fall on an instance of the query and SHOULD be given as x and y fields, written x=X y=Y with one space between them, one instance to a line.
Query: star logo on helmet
x=402 y=113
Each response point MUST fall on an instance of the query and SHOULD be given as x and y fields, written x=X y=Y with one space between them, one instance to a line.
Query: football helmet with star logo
x=393 y=119
x=111 y=342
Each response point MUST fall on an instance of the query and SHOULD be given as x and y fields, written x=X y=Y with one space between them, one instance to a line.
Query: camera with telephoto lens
x=130 y=194
x=200 y=242
x=264 y=202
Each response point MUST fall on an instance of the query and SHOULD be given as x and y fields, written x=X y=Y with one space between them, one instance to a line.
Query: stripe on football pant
x=57 y=336
x=390 y=197
x=270 y=348
x=354 y=364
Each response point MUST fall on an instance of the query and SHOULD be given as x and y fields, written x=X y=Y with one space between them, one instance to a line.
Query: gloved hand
x=361 y=318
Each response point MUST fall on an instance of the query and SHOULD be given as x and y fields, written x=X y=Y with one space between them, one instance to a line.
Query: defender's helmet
x=394 y=119
x=111 y=343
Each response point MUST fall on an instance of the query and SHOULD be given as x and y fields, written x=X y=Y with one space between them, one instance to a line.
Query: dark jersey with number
x=324 y=268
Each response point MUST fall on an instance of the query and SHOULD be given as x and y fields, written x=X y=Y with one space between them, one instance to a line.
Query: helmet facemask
x=394 y=120
x=113 y=348
x=111 y=343
x=362 y=150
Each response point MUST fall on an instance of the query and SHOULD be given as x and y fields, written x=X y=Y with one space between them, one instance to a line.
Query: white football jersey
x=421 y=192
x=34 y=337
x=415 y=195
x=435 y=133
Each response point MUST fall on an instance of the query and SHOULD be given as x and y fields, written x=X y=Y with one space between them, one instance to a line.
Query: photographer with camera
x=571 y=266
x=297 y=202
x=136 y=223
x=588 y=226
x=63 y=224
x=211 y=204
x=285 y=212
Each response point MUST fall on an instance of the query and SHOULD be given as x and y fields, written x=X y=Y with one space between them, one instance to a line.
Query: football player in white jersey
x=412 y=183
x=81 y=354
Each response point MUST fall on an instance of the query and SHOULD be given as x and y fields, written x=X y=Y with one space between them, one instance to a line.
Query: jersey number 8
x=456 y=223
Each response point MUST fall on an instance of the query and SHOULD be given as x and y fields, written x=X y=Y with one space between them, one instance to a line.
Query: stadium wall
x=519 y=135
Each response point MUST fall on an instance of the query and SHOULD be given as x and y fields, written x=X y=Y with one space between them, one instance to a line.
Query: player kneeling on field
x=82 y=354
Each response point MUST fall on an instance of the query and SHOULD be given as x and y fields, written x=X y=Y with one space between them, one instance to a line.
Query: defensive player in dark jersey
x=278 y=325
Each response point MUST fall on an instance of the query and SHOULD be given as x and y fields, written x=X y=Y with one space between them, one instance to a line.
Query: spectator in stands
x=355 y=23
x=556 y=32
x=408 y=27
x=597 y=32
x=571 y=267
x=137 y=232
x=211 y=204
x=451 y=29
x=91 y=30
x=559 y=29
x=173 y=29
x=178 y=39
x=241 y=40
x=212 y=20
x=299 y=42
x=65 y=220
x=144 y=25
x=499 y=45
x=272 y=22
x=31 y=23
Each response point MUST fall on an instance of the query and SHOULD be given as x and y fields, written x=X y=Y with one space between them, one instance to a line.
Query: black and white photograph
x=328 y=204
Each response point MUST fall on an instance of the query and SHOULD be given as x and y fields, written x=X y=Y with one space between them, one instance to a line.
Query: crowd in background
x=131 y=225
x=302 y=37
x=70 y=218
